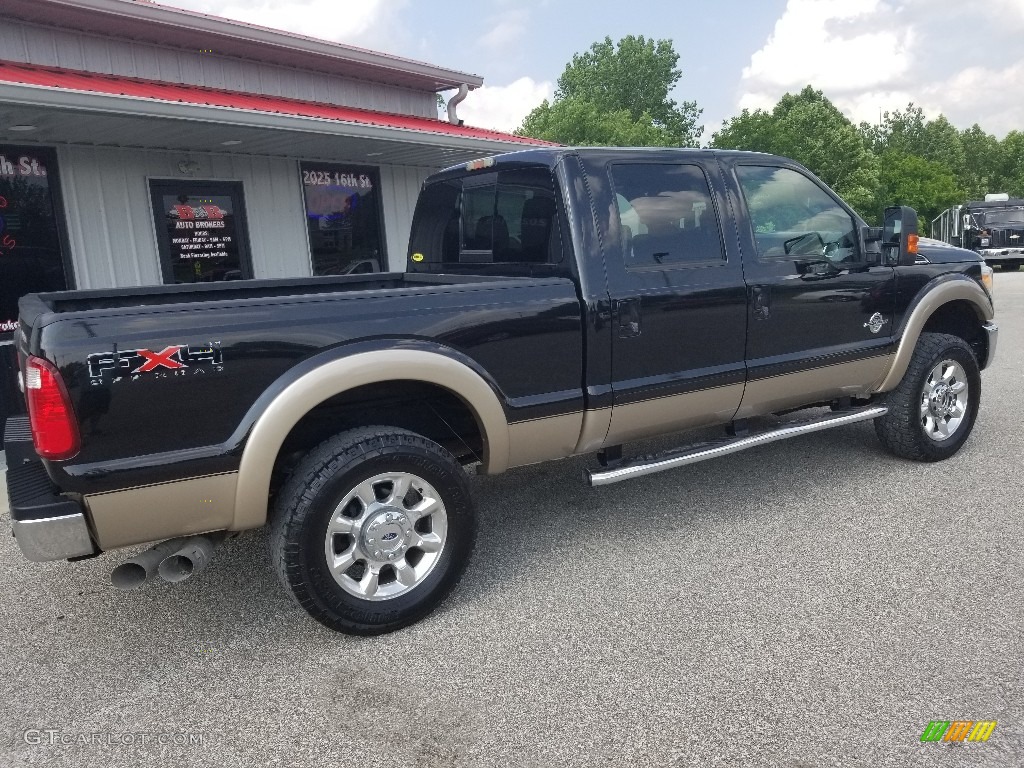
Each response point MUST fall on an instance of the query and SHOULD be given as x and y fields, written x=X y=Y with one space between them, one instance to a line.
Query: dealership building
x=145 y=145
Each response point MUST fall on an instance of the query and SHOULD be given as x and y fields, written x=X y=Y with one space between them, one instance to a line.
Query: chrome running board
x=680 y=457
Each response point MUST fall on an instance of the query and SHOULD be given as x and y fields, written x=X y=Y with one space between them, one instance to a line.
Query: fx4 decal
x=175 y=360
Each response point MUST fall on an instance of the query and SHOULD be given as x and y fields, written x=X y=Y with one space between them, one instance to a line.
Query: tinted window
x=201 y=230
x=343 y=218
x=31 y=259
x=793 y=216
x=667 y=214
x=508 y=218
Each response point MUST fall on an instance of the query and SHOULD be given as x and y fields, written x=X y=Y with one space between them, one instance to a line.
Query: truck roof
x=551 y=155
x=1013 y=202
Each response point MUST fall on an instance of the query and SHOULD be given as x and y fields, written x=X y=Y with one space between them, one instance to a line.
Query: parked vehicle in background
x=557 y=302
x=993 y=228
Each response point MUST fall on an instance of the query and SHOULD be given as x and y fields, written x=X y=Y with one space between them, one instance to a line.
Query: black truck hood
x=938 y=252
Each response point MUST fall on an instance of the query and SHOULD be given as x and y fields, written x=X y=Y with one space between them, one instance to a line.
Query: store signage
x=22 y=166
x=328 y=178
x=7 y=241
x=30 y=246
x=195 y=232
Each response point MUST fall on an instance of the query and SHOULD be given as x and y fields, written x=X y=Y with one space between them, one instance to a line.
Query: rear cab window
x=500 y=223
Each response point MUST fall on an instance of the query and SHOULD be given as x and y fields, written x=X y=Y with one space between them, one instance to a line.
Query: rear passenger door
x=678 y=300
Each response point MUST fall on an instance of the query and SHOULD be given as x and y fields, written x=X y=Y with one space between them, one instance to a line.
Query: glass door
x=201 y=231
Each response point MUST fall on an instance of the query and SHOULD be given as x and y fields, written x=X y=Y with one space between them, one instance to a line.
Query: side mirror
x=899 y=236
x=871 y=237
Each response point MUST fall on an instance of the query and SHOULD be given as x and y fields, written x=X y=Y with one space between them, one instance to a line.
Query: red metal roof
x=157 y=90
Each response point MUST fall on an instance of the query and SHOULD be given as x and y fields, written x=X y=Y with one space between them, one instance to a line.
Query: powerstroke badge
x=875 y=323
x=174 y=360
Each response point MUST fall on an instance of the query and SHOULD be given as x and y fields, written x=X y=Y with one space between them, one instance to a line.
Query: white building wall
x=110 y=217
x=47 y=46
x=400 y=186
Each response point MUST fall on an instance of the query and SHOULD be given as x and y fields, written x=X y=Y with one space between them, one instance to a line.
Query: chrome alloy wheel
x=944 y=400
x=386 y=536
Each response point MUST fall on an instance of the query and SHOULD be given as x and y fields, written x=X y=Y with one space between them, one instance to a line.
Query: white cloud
x=994 y=98
x=363 y=23
x=503 y=107
x=812 y=42
x=505 y=30
x=962 y=60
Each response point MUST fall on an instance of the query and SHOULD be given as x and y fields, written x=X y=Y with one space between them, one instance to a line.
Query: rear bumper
x=47 y=526
x=992 y=336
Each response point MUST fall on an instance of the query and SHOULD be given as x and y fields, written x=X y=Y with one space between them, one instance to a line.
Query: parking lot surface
x=811 y=603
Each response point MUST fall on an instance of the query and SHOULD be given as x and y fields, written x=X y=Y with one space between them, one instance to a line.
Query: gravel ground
x=811 y=603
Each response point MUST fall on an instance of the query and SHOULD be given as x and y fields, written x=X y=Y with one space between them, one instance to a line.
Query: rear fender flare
x=336 y=376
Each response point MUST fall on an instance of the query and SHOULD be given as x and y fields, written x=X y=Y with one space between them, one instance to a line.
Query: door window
x=667 y=215
x=793 y=217
x=201 y=231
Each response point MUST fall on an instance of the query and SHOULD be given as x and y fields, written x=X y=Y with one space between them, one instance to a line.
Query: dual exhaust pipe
x=174 y=560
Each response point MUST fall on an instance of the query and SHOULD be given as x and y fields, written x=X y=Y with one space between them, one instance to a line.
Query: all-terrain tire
x=911 y=429
x=313 y=534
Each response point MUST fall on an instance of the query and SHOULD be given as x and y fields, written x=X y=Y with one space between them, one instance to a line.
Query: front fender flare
x=929 y=300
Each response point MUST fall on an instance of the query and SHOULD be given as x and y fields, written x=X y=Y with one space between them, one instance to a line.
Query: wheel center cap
x=385 y=535
x=942 y=400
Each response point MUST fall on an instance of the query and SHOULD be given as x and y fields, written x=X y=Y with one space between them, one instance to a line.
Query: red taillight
x=54 y=428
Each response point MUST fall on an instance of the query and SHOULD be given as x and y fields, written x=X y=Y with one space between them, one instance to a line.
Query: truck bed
x=35 y=305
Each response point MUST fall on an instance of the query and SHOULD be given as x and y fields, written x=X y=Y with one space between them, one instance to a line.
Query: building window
x=32 y=259
x=201 y=231
x=343 y=218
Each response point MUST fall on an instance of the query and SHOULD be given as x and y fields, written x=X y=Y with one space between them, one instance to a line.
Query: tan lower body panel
x=537 y=440
x=595 y=430
x=791 y=390
x=156 y=512
x=650 y=418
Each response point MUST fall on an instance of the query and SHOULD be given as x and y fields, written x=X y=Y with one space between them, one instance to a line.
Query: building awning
x=110 y=107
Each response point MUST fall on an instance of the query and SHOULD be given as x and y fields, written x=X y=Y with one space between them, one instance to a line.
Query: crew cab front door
x=820 y=320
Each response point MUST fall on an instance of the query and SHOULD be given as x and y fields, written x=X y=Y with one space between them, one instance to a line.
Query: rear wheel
x=932 y=411
x=373 y=529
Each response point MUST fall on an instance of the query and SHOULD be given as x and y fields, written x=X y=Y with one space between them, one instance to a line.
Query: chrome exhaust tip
x=190 y=558
x=141 y=568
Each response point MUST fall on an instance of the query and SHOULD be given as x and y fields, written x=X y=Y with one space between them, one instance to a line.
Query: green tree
x=908 y=133
x=982 y=156
x=618 y=95
x=1010 y=172
x=810 y=129
x=898 y=131
x=943 y=144
x=925 y=185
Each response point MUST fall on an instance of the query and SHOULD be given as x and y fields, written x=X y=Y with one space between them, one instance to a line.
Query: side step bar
x=680 y=457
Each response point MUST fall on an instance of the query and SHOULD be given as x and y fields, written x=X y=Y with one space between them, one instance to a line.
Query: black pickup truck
x=556 y=302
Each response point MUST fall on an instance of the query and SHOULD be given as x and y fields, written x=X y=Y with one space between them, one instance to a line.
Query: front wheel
x=373 y=529
x=932 y=411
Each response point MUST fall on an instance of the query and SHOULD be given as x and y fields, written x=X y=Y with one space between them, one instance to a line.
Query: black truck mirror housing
x=871 y=237
x=899 y=236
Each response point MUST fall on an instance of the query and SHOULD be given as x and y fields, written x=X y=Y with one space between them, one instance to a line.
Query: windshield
x=1004 y=218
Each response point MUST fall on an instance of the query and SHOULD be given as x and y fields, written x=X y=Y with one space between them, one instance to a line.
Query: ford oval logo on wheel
x=389 y=536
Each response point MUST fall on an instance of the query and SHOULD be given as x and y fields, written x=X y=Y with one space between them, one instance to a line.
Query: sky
x=964 y=60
